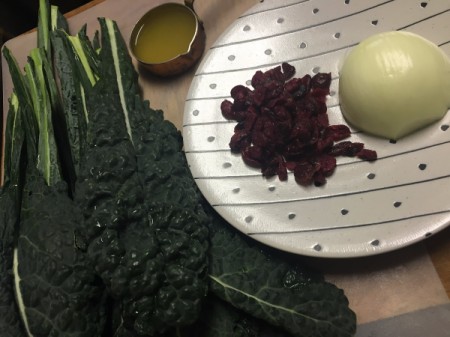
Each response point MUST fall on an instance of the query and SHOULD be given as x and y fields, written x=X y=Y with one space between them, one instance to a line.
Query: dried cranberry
x=288 y=70
x=327 y=164
x=239 y=92
x=249 y=122
x=304 y=86
x=258 y=79
x=227 y=109
x=319 y=179
x=273 y=90
x=276 y=74
x=274 y=167
x=321 y=107
x=282 y=171
x=322 y=120
x=346 y=148
x=337 y=132
x=309 y=105
x=239 y=141
x=304 y=173
x=253 y=156
x=324 y=144
x=367 y=154
x=294 y=149
x=321 y=80
x=280 y=113
x=292 y=85
x=302 y=130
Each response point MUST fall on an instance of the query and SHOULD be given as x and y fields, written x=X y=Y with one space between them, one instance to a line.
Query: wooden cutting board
x=378 y=287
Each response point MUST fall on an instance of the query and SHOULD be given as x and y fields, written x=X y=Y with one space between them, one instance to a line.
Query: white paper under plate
x=365 y=208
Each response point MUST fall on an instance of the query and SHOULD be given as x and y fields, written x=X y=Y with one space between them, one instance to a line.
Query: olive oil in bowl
x=164 y=33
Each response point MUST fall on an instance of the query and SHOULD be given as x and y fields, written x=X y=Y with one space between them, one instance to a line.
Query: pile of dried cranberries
x=283 y=125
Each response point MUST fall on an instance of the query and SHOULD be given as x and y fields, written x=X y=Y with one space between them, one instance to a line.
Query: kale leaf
x=179 y=233
x=10 y=323
x=115 y=227
x=120 y=241
x=174 y=205
x=264 y=284
x=61 y=293
x=10 y=195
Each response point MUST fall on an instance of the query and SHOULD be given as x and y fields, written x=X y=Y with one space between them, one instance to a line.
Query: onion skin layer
x=394 y=83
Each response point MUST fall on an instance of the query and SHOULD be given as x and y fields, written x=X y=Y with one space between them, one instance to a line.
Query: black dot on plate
x=392 y=141
x=371 y=176
x=316 y=10
x=423 y=4
x=444 y=127
x=291 y=216
x=428 y=234
x=337 y=35
x=397 y=204
x=422 y=167
x=374 y=22
x=347 y=2
x=303 y=45
x=375 y=243
x=317 y=248
x=344 y=211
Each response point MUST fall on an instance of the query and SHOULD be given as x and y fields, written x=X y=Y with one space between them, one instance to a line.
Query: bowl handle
x=190 y=4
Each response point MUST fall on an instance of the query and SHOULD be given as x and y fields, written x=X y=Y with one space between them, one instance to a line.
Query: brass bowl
x=173 y=63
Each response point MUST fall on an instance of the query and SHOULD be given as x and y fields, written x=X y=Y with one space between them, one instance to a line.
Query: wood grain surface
x=439 y=250
x=363 y=279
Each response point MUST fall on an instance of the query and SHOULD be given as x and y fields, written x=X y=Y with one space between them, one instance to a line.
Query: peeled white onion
x=394 y=83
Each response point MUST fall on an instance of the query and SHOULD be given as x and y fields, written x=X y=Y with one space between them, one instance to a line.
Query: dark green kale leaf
x=60 y=292
x=178 y=225
x=72 y=120
x=177 y=216
x=10 y=195
x=10 y=323
x=253 y=279
x=117 y=233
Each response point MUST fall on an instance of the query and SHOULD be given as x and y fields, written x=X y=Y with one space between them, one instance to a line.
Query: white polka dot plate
x=364 y=208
